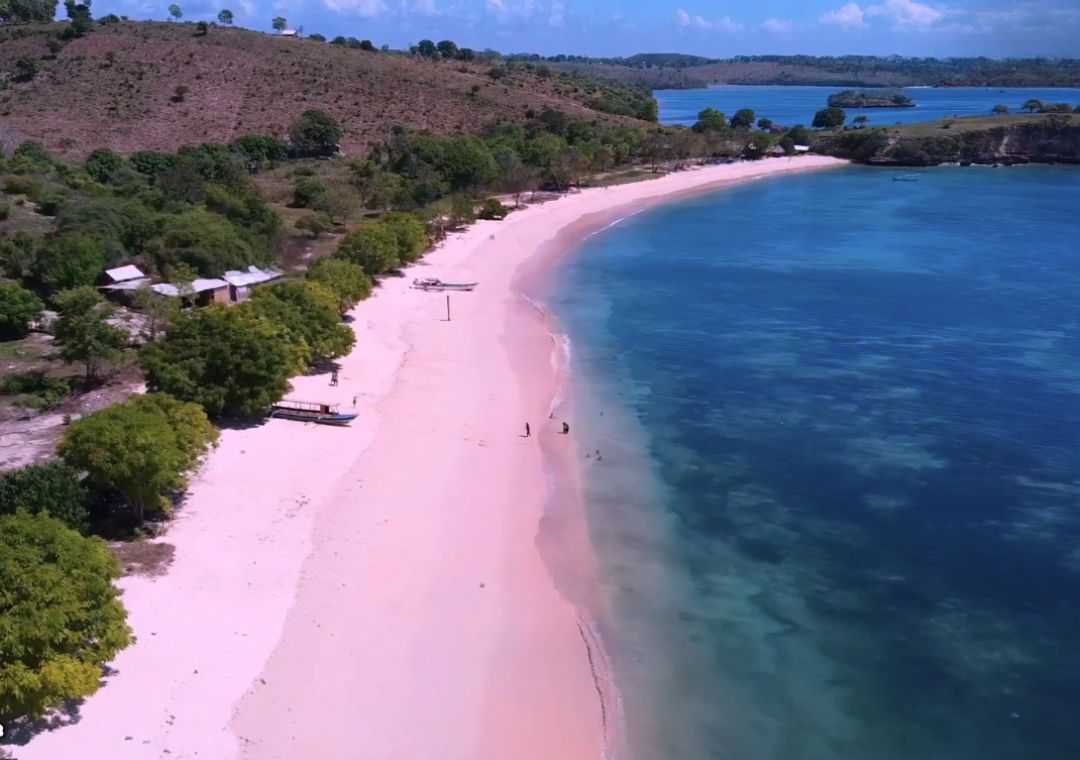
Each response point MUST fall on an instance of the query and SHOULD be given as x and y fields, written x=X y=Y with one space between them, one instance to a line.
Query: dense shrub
x=52 y=489
x=310 y=314
x=229 y=360
x=61 y=617
x=346 y=280
x=142 y=448
x=18 y=309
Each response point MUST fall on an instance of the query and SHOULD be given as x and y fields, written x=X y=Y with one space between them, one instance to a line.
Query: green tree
x=225 y=17
x=61 y=617
x=18 y=309
x=380 y=189
x=427 y=48
x=493 y=209
x=102 y=163
x=447 y=49
x=860 y=121
x=799 y=135
x=26 y=68
x=410 y=233
x=83 y=332
x=743 y=119
x=143 y=448
x=710 y=120
x=229 y=360
x=316 y=224
x=829 y=118
x=315 y=133
x=158 y=311
x=175 y=12
x=765 y=124
x=279 y=24
x=1032 y=105
x=1000 y=108
x=51 y=488
x=311 y=314
x=206 y=241
x=346 y=280
x=202 y=29
x=79 y=15
x=27 y=11
x=372 y=246
x=307 y=192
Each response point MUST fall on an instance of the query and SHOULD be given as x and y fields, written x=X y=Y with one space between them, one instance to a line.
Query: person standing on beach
x=528 y=430
x=333 y=377
x=566 y=428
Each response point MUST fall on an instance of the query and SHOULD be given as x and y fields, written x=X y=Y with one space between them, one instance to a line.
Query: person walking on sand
x=333 y=377
x=566 y=428
x=528 y=430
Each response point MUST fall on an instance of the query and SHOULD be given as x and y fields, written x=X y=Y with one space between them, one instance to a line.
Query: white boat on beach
x=437 y=285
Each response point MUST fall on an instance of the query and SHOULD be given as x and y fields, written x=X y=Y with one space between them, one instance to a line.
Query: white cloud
x=555 y=18
x=423 y=7
x=777 y=25
x=850 y=16
x=907 y=14
x=368 y=8
x=725 y=24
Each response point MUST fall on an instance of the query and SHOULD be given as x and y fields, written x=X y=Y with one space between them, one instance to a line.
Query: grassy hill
x=117 y=87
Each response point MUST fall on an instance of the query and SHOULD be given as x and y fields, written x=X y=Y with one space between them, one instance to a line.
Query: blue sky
x=996 y=28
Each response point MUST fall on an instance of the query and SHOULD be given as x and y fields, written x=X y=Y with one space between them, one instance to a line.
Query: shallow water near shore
x=837 y=508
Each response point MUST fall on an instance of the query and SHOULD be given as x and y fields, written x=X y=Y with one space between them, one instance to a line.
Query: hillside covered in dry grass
x=154 y=86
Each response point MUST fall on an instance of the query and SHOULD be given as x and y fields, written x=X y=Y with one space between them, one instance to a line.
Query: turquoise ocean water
x=837 y=504
x=797 y=105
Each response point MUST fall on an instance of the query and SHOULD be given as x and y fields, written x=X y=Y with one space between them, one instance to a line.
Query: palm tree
x=175 y=12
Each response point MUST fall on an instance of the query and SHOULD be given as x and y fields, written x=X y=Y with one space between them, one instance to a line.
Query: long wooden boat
x=310 y=411
x=437 y=285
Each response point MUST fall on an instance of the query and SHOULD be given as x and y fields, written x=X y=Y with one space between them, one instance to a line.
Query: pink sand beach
x=377 y=591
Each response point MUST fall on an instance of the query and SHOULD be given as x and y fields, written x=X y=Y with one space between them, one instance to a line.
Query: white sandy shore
x=376 y=591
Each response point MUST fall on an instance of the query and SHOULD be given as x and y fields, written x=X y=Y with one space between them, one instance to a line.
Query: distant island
x=870 y=99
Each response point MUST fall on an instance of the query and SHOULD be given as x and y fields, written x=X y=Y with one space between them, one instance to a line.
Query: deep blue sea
x=797 y=105
x=837 y=506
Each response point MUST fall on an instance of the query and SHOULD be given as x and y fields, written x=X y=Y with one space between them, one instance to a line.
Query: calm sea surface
x=797 y=105
x=837 y=504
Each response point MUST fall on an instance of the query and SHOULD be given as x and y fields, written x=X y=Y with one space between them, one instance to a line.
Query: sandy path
x=376 y=591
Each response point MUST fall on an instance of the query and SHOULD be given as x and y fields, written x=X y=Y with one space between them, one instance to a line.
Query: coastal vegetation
x=62 y=620
x=141 y=448
x=53 y=489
